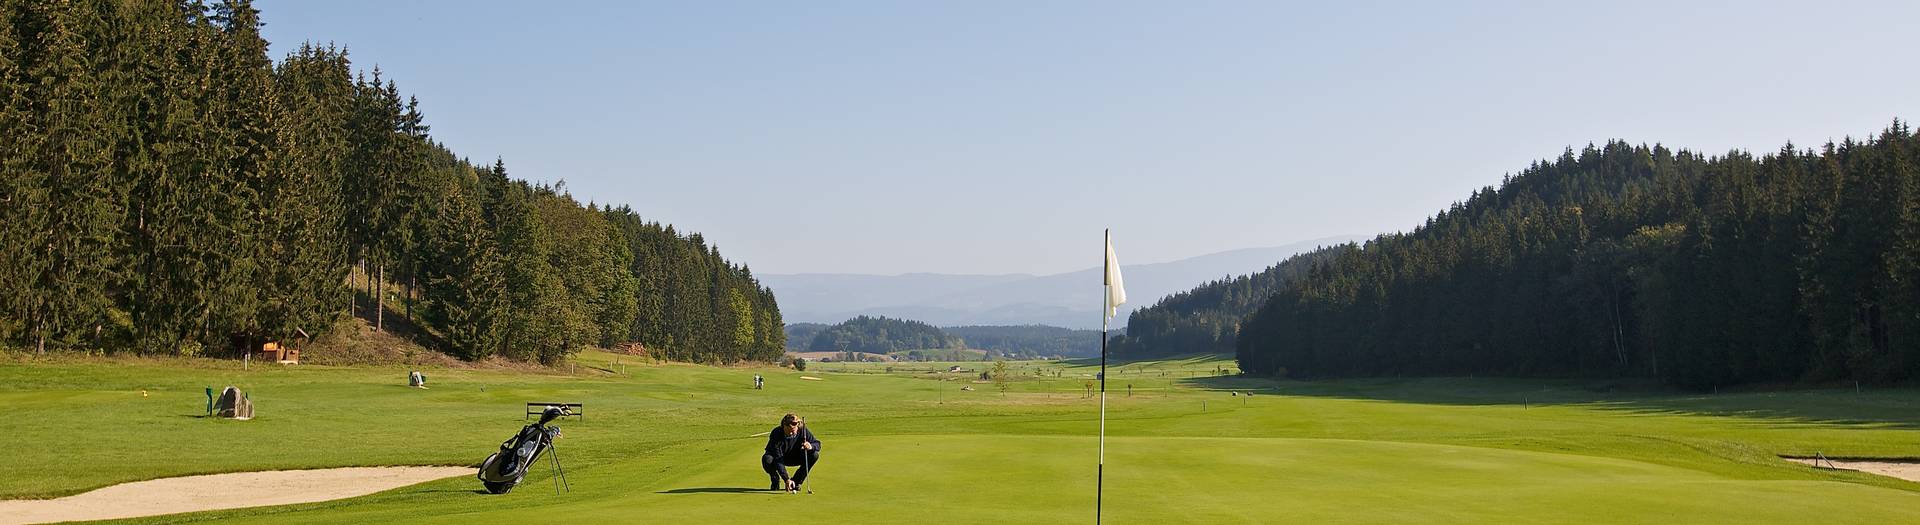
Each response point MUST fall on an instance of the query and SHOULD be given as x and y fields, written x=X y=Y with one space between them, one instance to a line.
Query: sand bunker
x=220 y=491
x=1906 y=470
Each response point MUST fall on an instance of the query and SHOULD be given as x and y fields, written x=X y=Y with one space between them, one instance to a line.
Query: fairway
x=903 y=443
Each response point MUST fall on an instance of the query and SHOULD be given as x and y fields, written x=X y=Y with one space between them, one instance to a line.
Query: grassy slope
x=672 y=443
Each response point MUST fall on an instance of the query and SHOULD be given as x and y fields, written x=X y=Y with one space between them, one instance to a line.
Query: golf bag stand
x=559 y=472
x=506 y=468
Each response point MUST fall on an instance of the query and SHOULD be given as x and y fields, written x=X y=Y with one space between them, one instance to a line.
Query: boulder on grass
x=233 y=404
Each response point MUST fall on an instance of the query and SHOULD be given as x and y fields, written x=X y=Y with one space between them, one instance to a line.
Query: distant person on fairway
x=789 y=445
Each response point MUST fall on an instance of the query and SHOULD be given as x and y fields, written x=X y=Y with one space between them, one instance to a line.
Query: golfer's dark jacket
x=779 y=444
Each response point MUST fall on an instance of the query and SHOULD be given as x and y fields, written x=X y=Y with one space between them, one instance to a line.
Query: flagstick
x=1100 y=475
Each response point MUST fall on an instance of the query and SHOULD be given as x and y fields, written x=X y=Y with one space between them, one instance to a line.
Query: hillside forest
x=171 y=189
x=1798 y=266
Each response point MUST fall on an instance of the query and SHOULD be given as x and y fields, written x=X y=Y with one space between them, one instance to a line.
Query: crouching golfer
x=789 y=445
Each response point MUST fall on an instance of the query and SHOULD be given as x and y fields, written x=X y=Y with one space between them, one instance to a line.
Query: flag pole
x=1106 y=277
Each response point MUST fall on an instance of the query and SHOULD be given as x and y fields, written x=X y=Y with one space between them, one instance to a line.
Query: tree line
x=169 y=189
x=1028 y=341
x=1798 y=266
x=880 y=335
x=883 y=335
x=800 y=335
x=1207 y=318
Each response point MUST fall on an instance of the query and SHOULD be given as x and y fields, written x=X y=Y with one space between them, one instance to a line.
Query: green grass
x=671 y=444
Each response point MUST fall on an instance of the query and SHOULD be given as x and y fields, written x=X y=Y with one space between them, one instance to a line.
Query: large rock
x=233 y=404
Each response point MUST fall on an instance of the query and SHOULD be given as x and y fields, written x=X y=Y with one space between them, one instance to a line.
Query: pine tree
x=68 y=203
x=1901 y=282
x=238 y=99
x=465 y=286
x=21 y=182
x=742 y=336
x=306 y=265
x=539 y=314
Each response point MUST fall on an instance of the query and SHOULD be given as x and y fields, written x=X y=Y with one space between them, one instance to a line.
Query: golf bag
x=504 y=469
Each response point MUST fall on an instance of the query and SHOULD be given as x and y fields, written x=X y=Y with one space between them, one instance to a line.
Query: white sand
x=220 y=491
x=1909 y=471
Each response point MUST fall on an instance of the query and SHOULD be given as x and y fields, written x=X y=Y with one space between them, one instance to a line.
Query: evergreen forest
x=1029 y=341
x=1207 y=318
x=800 y=335
x=880 y=335
x=168 y=188
x=1799 y=266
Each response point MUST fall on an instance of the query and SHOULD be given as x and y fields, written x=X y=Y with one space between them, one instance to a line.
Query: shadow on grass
x=1891 y=408
x=713 y=490
x=453 y=491
x=1167 y=362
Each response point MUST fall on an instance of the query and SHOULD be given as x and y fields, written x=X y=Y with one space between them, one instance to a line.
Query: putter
x=809 y=470
x=808 y=463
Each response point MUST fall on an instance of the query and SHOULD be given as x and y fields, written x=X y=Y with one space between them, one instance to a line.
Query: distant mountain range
x=1070 y=300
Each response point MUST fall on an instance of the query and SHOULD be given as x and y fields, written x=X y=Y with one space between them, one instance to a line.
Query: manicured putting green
x=1046 y=479
x=671 y=444
x=1036 y=479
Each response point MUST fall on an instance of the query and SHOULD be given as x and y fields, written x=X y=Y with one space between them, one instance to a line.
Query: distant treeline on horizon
x=169 y=189
x=1618 y=261
x=883 y=335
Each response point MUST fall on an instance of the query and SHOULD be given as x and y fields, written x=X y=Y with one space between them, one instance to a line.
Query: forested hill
x=1029 y=341
x=170 y=189
x=1019 y=342
x=1206 y=318
x=880 y=335
x=800 y=335
x=1628 y=261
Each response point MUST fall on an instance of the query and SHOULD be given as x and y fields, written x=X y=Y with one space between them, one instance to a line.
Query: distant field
x=673 y=444
x=931 y=354
x=941 y=354
x=813 y=357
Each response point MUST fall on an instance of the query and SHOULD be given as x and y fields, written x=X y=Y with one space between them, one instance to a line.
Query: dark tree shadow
x=713 y=490
x=1892 y=408
x=451 y=491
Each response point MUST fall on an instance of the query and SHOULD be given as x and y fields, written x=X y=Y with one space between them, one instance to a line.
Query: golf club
x=808 y=469
x=806 y=462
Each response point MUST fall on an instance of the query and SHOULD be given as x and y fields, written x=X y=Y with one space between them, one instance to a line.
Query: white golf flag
x=1116 y=290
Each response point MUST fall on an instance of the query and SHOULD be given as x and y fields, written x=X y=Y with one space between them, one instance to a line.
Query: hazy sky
x=1001 y=136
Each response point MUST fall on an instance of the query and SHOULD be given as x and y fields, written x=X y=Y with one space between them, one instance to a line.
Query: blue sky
x=1002 y=136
